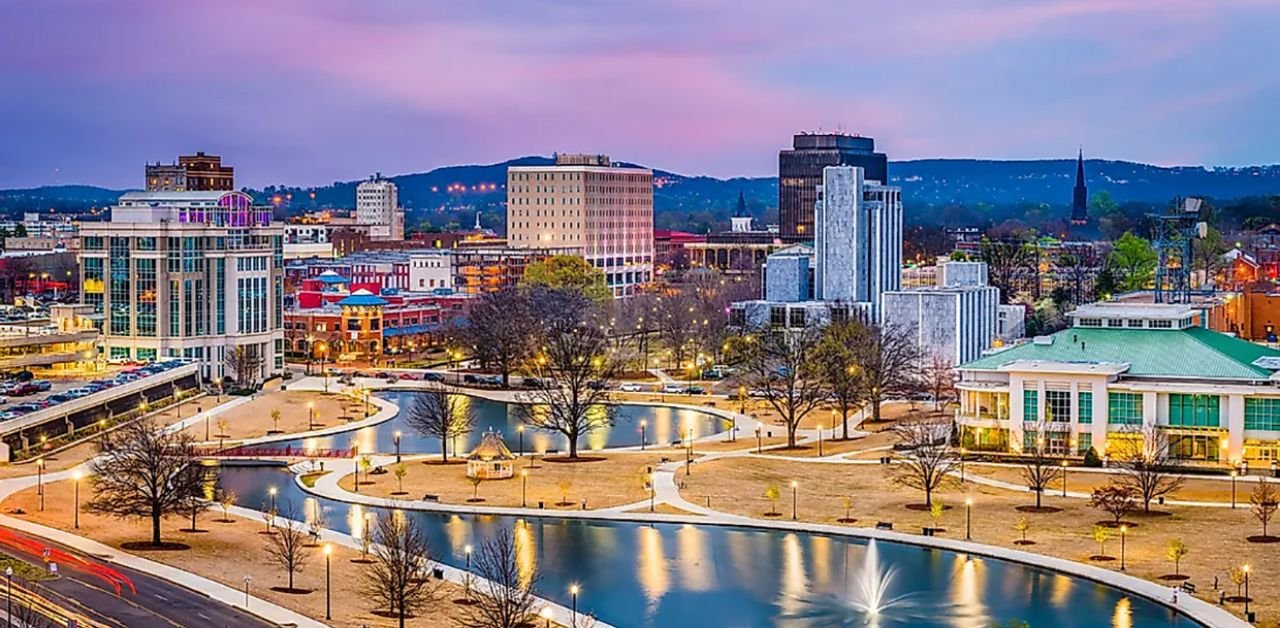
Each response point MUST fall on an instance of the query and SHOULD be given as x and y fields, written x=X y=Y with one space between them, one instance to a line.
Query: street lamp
x=1246 y=590
x=40 y=481
x=545 y=614
x=688 y=451
x=643 y=424
x=573 y=621
x=397 y=441
x=1124 y=531
x=311 y=415
x=272 y=492
x=962 y=465
x=653 y=489
x=520 y=431
x=75 y=480
x=795 y=486
x=1233 y=489
x=524 y=484
x=968 y=519
x=759 y=442
x=8 y=596
x=328 y=581
x=1064 y=478
x=467 y=549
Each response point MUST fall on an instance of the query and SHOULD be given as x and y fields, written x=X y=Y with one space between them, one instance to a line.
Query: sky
x=306 y=92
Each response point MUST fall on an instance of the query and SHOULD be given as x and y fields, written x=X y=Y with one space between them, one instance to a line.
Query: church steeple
x=741 y=220
x=1080 y=196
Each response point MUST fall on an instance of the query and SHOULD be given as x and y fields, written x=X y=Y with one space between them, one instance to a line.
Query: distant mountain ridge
x=925 y=183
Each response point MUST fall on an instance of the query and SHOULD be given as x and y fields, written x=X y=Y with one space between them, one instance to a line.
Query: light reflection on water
x=686 y=575
x=663 y=425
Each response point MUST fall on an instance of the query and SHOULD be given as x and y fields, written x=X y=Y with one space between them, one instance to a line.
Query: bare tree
x=144 y=470
x=1038 y=470
x=888 y=360
x=1115 y=500
x=1264 y=501
x=500 y=329
x=442 y=414
x=677 y=321
x=1009 y=262
x=1145 y=464
x=939 y=378
x=837 y=363
x=397 y=577
x=572 y=376
x=781 y=365
x=287 y=548
x=924 y=456
x=245 y=363
x=504 y=596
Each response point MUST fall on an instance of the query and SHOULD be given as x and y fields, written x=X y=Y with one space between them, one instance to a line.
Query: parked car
x=3 y=400
x=24 y=389
x=672 y=389
x=5 y=416
x=24 y=408
x=631 y=387
x=694 y=390
x=470 y=379
x=42 y=384
x=432 y=377
x=407 y=376
x=60 y=397
x=596 y=385
x=492 y=380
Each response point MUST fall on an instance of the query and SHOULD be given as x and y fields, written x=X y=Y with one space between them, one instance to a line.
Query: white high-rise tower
x=378 y=205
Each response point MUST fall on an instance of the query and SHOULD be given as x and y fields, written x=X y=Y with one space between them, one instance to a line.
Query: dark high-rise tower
x=800 y=174
x=1080 y=197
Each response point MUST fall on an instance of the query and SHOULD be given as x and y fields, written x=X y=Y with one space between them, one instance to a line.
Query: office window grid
x=1030 y=405
x=1084 y=407
x=1193 y=410
x=1124 y=408
x=1261 y=413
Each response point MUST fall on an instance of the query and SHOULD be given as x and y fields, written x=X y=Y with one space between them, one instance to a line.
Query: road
x=85 y=591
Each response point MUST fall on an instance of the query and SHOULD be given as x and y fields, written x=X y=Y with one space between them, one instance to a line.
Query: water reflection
x=663 y=426
x=689 y=575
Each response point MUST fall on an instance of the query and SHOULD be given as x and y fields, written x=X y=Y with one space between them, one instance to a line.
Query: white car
x=631 y=387
x=673 y=389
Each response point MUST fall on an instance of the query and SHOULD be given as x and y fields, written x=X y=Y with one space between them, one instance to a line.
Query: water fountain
x=865 y=601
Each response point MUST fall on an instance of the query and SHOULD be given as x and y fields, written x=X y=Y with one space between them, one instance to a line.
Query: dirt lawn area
x=616 y=480
x=226 y=552
x=1193 y=489
x=253 y=419
x=1215 y=537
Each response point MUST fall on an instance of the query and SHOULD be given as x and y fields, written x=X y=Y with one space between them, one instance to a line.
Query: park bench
x=884 y=525
x=431 y=498
x=1189 y=588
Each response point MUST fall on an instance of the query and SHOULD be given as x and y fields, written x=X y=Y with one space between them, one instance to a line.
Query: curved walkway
x=666 y=491
x=215 y=590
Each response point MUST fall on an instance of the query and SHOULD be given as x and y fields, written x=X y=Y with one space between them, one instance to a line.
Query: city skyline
x=309 y=93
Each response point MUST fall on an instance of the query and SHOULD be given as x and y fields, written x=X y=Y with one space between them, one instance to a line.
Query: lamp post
x=397 y=441
x=524 y=484
x=467 y=549
x=8 y=596
x=962 y=465
x=819 y=440
x=1064 y=478
x=795 y=486
x=75 y=480
x=272 y=492
x=1246 y=590
x=40 y=481
x=545 y=614
x=1233 y=489
x=328 y=582
x=759 y=442
x=653 y=489
x=573 y=618
x=1124 y=532
x=247 y=580
x=688 y=452
x=520 y=431
x=643 y=424
x=968 y=519
x=311 y=415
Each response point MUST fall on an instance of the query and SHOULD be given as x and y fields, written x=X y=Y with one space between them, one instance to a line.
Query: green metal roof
x=1193 y=352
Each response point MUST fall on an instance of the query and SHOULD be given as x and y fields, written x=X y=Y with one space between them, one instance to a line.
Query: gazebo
x=491 y=460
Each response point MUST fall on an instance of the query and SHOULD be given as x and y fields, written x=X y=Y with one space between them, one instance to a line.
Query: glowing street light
x=1124 y=531
x=795 y=487
x=328 y=581
x=311 y=415
x=573 y=621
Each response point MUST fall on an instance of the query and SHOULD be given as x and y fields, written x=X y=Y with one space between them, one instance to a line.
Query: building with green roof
x=1119 y=371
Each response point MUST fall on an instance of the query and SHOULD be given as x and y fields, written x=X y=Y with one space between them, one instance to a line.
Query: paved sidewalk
x=217 y=591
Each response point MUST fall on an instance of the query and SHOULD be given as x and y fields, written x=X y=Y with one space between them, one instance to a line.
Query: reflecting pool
x=635 y=574
x=662 y=425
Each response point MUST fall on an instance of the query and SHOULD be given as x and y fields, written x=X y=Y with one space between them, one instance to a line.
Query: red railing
x=287 y=451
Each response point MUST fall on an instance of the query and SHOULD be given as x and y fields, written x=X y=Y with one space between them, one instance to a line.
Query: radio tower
x=1176 y=231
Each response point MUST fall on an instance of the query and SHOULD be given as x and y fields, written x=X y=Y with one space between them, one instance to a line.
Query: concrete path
x=217 y=591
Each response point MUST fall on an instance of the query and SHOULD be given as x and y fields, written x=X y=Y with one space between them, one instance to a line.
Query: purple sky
x=309 y=91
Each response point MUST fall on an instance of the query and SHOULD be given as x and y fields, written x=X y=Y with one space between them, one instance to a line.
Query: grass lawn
x=253 y=419
x=614 y=480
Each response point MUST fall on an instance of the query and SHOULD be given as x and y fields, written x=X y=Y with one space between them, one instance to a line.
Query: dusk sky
x=311 y=91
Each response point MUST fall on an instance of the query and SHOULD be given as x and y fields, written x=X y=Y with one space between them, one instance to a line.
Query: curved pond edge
x=1188 y=606
x=388 y=410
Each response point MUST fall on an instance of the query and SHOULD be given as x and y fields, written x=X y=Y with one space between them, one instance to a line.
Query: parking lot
x=21 y=395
